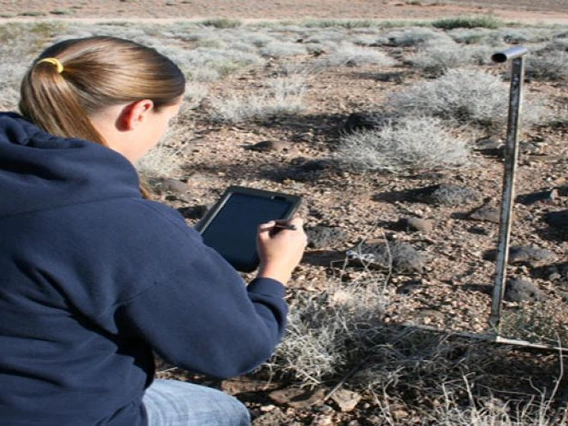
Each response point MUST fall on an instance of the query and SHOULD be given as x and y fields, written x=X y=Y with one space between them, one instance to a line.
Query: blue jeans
x=175 y=403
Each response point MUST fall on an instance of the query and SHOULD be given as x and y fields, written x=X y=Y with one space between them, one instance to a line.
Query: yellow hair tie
x=52 y=61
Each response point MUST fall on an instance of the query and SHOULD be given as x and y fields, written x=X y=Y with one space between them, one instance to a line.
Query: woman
x=95 y=277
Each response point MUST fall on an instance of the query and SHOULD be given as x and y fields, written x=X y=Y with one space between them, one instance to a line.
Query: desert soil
x=454 y=290
x=550 y=11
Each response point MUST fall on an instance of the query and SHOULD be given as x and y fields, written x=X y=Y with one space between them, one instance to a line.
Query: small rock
x=490 y=147
x=479 y=230
x=308 y=170
x=360 y=121
x=545 y=159
x=530 y=255
x=563 y=189
x=524 y=254
x=454 y=195
x=400 y=414
x=409 y=287
x=298 y=398
x=322 y=420
x=486 y=213
x=402 y=257
x=346 y=400
x=193 y=212
x=390 y=77
x=444 y=194
x=244 y=384
x=276 y=146
x=547 y=197
x=174 y=186
x=321 y=236
x=428 y=316
x=519 y=290
x=557 y=219
x=531 y=148
x=417 y=224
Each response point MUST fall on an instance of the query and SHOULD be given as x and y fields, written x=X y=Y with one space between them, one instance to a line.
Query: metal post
x=516 y=55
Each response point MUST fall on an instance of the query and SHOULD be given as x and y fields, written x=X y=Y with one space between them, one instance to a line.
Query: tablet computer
x=231 y=225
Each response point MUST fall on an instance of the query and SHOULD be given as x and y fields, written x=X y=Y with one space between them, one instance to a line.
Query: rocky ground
x=433 y=232
x=518 y=10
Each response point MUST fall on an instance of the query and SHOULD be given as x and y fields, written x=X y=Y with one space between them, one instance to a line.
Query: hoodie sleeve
x=199 y=314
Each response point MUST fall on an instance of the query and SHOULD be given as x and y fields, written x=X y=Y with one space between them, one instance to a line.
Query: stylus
x=291 y=227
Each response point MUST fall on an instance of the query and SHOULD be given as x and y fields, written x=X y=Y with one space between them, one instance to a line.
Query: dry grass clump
x=414 y=36
x=351 y=55
x=523 y=35
x=437 y=58
x=330 y=333
x=168 y=156
x=282 y=95
x=279 y=49
x=340 y=23
x=538 y=323
x=469 y=35
x=494 y=411
x=207 y=64
x=222 y=23
x=480 y=21
x=550 y=63
x=405 y=144
x=465 y=97
x=9 y=85
x=339 y=337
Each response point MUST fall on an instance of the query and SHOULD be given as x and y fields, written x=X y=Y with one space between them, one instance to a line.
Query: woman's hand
x=280 y=249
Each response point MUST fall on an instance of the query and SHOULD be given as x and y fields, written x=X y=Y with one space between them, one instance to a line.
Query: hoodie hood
x=40 y=171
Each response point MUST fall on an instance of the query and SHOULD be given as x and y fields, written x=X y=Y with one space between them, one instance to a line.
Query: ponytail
x=77 y=78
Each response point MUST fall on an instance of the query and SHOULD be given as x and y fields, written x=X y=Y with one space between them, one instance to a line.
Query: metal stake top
x=516 y=55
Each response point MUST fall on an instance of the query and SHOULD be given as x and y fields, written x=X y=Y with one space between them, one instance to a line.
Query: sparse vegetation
x=437 y=58
x=278 y=81
x=483 y=21
x=406 y=144
x=283 y=95
x=278 y=49
x=349 y=55
x=549 y=64
x=414 y=36
x=222 y=23
x=464 y=96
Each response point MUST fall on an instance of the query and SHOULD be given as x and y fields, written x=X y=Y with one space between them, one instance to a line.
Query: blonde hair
x=97 y=72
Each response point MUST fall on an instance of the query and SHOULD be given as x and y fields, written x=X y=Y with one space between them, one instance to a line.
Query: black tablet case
x=230 y=226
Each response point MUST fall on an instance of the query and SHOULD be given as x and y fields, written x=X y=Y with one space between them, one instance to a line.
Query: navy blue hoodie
x=93 y=278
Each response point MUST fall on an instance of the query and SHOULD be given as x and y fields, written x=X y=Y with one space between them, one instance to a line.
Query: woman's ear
x=134 y=114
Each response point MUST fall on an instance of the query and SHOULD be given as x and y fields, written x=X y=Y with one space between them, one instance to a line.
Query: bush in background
x=483 y=21
x=414 y=36
x=282 y=95
x=437 y=58
x=406 y=144
x=350 y=55
x=549 y=63
x=465 y=97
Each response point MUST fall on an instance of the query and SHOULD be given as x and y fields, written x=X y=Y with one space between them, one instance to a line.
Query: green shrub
x=483 y=21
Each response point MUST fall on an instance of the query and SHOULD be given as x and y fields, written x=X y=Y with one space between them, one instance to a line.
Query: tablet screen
x=233 y=230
